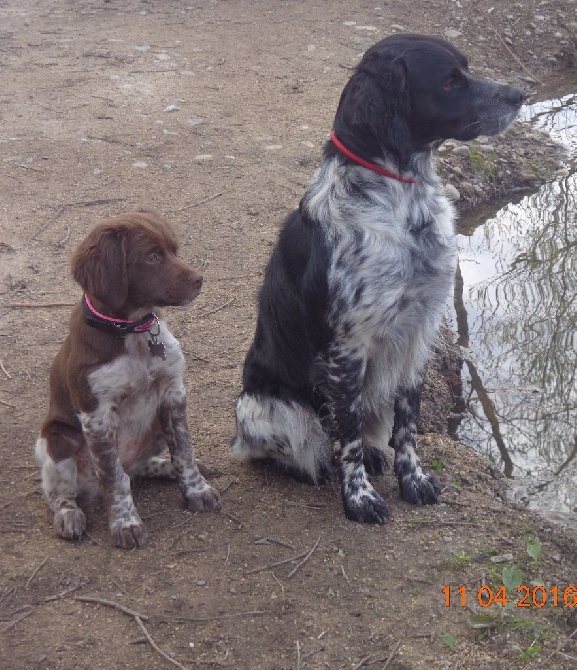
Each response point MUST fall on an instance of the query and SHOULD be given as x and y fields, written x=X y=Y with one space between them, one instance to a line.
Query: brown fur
x=127 y=266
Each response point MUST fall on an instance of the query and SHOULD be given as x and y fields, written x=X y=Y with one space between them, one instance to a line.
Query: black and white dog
x=358 y=283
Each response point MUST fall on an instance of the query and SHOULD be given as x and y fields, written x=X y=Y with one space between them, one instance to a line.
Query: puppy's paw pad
x=365 y=507
x=420 y=489
x=129 y=536
x=205 y=500
x=70 y=524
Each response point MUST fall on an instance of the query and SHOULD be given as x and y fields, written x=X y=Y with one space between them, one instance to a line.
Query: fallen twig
x=305 y=559
x=16 y=621
x=269 y=566
x=200 y=619
x=36 y=572
x=111 y=603
x=7 y=593
x=200 y=202
x=523 y=66
x=559 y=647
x=153 y=644
x=362 y=662
x=216 y=309
x=5 y=371
x=62 y=594
x=392 y=654
x=38 y=305
x=7 y=404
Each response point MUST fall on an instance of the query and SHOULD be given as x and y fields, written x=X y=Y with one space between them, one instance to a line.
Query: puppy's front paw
x=70 y=523
x=365 y=506
x=128 y=535
x=419 y=488
x=205 y=499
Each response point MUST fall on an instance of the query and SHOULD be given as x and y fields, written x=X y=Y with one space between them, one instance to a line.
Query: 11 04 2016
x=528 y=596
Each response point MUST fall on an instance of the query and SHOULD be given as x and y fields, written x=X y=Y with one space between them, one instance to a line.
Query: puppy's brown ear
x=99 y=266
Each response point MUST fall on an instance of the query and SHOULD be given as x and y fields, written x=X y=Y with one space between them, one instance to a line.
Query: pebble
x=371 y=29
x=487 y=148
x=308 y=144
x=171 y=108
x=200 y=582
x=462 y=151
x=349 y=23
x=197 y=121
x=201 y=158
x=452 y=33
x=452 y=193
x=273 y=147
x=140 y=164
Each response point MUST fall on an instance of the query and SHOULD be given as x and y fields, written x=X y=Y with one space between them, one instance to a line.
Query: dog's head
x=129 y=264
x=410 y=91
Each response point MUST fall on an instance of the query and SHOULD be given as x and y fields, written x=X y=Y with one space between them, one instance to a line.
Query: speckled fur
x=114 y=407
x=358 y=283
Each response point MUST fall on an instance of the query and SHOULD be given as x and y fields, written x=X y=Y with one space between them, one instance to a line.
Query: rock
x=452 y=193
x=452 y=33
x=201 y=158
x=463 y=150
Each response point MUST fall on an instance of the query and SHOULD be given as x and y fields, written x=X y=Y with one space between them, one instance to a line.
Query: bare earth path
x=214 y=113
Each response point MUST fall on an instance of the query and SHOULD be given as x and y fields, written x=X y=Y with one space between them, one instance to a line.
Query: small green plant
x=457 y=485
x=436 y=464
x=533 y=548
x=449 y=640
x=512 y=578
x=526 y=655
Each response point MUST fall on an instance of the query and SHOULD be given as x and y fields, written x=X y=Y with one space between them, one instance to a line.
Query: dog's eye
x=452 y=81
x=154 y=258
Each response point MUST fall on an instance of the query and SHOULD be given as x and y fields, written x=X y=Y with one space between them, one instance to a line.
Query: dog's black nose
x=196 y=279
x=517 y=96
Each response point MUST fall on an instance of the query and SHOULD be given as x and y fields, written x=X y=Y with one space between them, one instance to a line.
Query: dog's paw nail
x=423 y=490
x=366 y=508
x=70 y=524
x=207 y=500
x=129 y=537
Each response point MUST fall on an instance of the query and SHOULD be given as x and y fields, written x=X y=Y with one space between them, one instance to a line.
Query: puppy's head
x=129 y=264
x=410 y=91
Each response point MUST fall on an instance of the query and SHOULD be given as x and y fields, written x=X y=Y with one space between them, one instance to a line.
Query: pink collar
x=117 y=327
x=370 y=166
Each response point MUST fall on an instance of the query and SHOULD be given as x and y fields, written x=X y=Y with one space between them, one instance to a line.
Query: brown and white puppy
x=117 y=398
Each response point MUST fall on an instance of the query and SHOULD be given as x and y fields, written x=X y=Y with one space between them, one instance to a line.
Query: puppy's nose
x=195 y=279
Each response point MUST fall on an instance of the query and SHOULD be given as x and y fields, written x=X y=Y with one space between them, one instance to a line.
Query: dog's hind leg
x=415 y=485
x=283 y=432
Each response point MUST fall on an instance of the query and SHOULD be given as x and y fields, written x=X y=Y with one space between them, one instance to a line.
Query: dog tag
x=157 y=347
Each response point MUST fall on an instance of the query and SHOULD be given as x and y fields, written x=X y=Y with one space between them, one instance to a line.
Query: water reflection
x=516 y=313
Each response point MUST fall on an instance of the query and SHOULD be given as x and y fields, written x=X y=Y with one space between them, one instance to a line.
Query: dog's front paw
x=420 y=489
x=365 y=506
x=129 y=535
x=70 y=523
x=207 y=499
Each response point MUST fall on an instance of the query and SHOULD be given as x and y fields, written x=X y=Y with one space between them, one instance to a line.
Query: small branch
x=7 y=593
x=5 y=371
x=153 y=644
x=360 y=664
x=392 y=654
x=523 y=66
x=269 y=566
x=559 y=647
x=36 y=572
x=7 y=404
x=200 y=202
x=216 y=309
x=62 y=594
x=16 y=621
x=201 y=619
x=305 y=559
x=38 y=305
x=111 y=603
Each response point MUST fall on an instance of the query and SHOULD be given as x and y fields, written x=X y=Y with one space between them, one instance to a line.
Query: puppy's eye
x=155 y=257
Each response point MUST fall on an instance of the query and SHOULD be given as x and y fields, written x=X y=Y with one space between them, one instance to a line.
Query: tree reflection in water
x=516 y=313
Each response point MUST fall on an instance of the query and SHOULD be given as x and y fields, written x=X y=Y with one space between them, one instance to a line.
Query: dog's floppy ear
x=373 y=117
x=99 y=266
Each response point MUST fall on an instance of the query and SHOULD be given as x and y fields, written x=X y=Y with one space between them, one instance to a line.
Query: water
x=516 y=314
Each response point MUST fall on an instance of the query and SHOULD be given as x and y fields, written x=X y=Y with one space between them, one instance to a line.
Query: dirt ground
x=214 y=113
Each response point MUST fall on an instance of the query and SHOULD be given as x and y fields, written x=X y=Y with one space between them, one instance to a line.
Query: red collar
x=370 y=166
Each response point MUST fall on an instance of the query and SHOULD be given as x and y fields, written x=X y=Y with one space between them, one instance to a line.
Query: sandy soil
x=214 y=113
